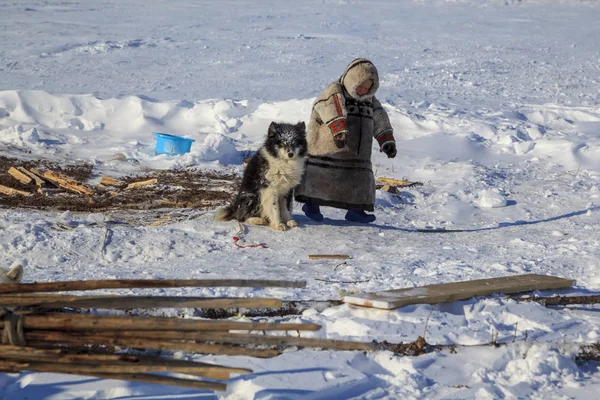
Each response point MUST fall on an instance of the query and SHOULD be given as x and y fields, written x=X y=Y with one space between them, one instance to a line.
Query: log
x=38 y=180
x=35 y=338
x=13 y=192
x=313 y=257
x=101 y=372
x=118 y=363
x=142 y=183
x=68 y=286
x=126 y=302
x=79 y=322
x=67 y=183
x=18 y=175
x=244 y=339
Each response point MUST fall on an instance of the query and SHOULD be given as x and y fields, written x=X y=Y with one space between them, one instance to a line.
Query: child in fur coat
x=345 y=119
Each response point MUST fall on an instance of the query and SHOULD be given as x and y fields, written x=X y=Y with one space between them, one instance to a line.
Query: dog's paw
x=256 y=221
x=280 y=227
x=291 y=224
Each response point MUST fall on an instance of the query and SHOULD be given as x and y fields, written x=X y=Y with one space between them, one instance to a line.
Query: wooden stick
x=104 y=372
x=12 y=192
x=35 y=338
x=143 y=283
x=18 y=175
x=125 y=302
x=561 y=300
x=314 y=257
x=118 y=363
x=396 y=182
x=67 y=183
x=38 y=180
x=142 y=183
x=67 y=355
x=244 y=339
x=110 y=181
x=166 y=380
x=68 y=286
x=78 y=322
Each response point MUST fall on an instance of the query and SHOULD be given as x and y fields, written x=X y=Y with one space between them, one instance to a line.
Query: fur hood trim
x=357 y=72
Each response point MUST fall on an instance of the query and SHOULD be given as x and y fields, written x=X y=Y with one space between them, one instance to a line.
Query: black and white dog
x=266 y=193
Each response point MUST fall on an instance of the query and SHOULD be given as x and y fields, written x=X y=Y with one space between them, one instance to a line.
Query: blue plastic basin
x=171 y=144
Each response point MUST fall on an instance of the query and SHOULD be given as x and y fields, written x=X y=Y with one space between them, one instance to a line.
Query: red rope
x=236 y=239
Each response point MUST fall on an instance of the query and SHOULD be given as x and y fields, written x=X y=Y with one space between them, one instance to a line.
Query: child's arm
x=331 y=109
x=382 y=130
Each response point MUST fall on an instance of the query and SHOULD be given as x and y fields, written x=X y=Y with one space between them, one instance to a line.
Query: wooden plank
x=90 y=322
x=314 y=257
x=18 y=175
x=126 y=302
x=67 y=183
x=104 y=372
x=454 y=291
x=68 y=286
x=142 y=183
x=241 y=339
x=38 y=180
x=13 y=192
x=38 y=338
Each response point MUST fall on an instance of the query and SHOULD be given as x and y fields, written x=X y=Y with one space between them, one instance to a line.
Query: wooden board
x=446 y=292
x=18 y=175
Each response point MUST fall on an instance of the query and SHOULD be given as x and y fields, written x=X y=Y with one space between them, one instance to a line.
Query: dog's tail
x=225 y=214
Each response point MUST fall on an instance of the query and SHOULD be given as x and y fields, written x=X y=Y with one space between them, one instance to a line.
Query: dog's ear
x=301 y=126
x=273 y=129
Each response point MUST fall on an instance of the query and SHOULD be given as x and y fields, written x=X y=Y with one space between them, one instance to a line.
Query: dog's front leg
x=270 y=204
x=285 y=210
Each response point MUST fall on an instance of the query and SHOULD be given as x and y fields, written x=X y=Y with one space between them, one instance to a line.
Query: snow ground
x=496 y=107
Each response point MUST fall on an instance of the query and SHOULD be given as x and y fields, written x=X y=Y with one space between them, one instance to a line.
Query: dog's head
x=13 y=275
x=286 y=141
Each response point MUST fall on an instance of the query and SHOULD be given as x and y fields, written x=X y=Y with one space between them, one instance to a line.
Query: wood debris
x=398 y=183
x=110 y=181
x=20 y=176
x=390 y=189
x=46 y=185
x=67 y=183
x=13 y=192
x=142 y=183
x=39 y=181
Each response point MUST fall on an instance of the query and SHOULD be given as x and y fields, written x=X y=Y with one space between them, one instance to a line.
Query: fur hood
x=357 y=72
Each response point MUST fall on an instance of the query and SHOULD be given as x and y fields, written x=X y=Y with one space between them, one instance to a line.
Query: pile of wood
x=47 y=332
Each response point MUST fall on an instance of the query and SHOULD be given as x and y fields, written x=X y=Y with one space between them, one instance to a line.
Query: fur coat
x=343 y=177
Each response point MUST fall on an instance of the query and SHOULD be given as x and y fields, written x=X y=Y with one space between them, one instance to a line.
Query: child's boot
x=312 y=211
x=359 y=215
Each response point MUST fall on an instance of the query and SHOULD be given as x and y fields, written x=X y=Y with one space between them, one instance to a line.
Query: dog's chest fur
x=283 y=174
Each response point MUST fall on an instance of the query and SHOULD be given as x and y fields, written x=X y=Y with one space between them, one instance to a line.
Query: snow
x=496 y=109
